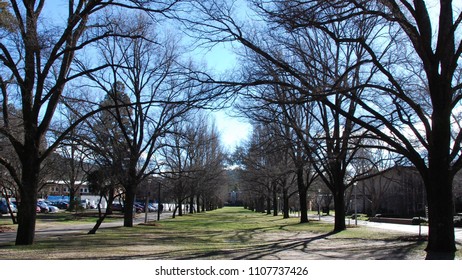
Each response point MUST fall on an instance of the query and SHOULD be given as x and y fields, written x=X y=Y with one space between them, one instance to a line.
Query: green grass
x=226 y=233
x=74 y=217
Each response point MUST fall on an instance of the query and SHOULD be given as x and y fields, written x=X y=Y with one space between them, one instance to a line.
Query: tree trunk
x=191 y=204
x=275 y=200
x=285 y=197
x=198 y=203
x=439 y=178
x=268 y=205
x=441 y=239
x=303 y=206
x=339 y=202
x=72 y=204
x=174 y=212
x=27 y=207
x=110 y=200
x=261 y=204
x=129 y=202
x=8 y=205
x=131 y=186
x=302 y=192
x=180 y=207
x=101 y=218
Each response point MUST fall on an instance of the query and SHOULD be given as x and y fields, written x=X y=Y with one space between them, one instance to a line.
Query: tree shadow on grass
x=282 y=245
x=258 y=243
x=320 y=247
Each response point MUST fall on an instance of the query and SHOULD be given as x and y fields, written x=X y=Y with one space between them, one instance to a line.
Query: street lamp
x=319 y=204
x=356 y=203
x=158 y=203
x=278 y=207
x=146 y=206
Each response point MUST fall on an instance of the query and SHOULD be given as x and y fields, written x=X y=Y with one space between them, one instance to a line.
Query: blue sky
x=234 y=131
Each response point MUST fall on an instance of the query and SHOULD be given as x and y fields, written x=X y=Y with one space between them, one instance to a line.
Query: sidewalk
x=413 y=229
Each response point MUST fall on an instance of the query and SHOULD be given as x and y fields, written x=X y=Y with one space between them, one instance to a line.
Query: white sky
x=233 y=131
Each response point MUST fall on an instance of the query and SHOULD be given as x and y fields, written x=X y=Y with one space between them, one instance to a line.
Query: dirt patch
x=414 y=238
x=150 y=224
x=6 y=229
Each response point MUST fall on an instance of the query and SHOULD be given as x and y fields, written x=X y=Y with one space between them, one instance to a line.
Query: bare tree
x=328 y=138
x=102 y=180
x=409 y=84
x=37 y=63
x=206 y=162
x=72 y=165
x=255 y=170
x=159 y=90
x=267 y=106
x=193 y=163
x=266 y=166
x=417 y=114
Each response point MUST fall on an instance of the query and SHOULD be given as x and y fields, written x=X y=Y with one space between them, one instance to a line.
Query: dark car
x=62 y=204
x=4 y=207
x=117 y=207
x=43 y=207
x=139 y=208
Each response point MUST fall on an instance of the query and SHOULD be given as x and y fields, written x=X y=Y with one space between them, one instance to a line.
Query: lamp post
x=278 y=208
x=356 y=203
x=146 y=208
x=319 y=204
x=158 y=203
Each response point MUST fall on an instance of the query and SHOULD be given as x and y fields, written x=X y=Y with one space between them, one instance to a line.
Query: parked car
x=52 y=208
x=138 y=208
x=152 y=207
x=43 y=206
x=62 y=204
x=4 y=207
x=117 y=207
x=458 y=220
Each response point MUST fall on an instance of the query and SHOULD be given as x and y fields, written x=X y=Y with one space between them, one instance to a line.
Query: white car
x=52 y=209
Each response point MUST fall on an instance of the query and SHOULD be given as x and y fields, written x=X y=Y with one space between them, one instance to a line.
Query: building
x=397 y=192
x=61 y=188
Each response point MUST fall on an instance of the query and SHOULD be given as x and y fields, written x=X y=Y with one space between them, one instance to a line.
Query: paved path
x=413 y=229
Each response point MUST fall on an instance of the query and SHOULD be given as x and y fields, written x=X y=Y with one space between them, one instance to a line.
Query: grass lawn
x=228 y=233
